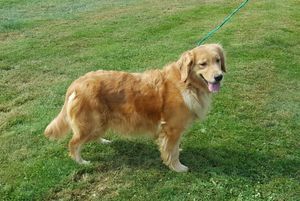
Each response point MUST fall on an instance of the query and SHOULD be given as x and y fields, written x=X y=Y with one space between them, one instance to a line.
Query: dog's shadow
x=128 y=153
x=205 y=160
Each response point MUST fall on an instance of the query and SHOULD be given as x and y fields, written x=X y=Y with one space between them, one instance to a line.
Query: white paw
x=104 y=141
x=178 y=167
x=83 y=162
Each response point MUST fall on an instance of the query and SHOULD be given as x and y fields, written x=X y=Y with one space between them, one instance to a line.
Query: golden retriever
x=161 y=103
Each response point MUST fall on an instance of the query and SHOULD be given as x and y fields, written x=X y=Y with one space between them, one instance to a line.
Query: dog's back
x=121 y=101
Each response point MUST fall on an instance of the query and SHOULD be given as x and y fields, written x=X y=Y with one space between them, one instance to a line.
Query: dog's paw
x=104 y=141
x=83 y=162
x=178 y=167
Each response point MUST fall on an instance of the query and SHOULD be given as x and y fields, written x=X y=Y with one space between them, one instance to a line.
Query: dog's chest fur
x=197 y=103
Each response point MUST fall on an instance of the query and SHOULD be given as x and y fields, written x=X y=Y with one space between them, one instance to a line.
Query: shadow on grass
x=126 y=153
x=255 y=166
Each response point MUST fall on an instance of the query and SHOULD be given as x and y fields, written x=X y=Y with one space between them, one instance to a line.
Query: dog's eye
x=203 y=64
x=218 y=60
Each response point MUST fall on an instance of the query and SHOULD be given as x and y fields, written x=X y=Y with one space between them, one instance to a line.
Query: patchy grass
x=247 y=149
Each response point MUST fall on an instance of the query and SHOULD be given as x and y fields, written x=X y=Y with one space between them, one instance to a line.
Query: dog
x=161 y=103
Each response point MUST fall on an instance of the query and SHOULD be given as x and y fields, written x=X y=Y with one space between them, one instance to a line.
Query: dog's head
x=204 y=63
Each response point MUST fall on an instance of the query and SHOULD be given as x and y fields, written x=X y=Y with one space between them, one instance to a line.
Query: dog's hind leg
x=75 y=146
x=82 y=135
x=99 y=135
x=77 y=141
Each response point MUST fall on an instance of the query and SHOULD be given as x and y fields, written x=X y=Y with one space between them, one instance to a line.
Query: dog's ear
x=221 y=54
x=186 y=62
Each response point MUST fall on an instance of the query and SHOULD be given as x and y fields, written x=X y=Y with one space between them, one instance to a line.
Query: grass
x=247 y=149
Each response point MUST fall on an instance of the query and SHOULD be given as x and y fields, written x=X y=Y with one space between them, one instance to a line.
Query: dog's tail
x=59 y=126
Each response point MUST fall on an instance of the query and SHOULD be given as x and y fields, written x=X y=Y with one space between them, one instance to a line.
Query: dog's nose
x=219 y=78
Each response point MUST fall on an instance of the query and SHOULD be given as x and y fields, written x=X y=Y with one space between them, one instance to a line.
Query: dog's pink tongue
x=214 y=87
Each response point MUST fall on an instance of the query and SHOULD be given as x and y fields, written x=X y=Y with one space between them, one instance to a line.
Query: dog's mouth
x=213 y=87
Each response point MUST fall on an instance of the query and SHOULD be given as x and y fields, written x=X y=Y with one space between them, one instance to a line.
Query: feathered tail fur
x=59 y=126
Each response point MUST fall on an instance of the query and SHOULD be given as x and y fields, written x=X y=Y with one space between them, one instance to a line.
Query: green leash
x=212 y=32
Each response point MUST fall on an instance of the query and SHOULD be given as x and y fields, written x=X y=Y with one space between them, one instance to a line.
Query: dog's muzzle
x=213 y=86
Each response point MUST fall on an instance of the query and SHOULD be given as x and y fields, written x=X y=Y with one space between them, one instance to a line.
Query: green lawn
x=247 y=149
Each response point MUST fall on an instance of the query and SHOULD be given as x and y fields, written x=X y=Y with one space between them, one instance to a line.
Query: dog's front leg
x=168 y=141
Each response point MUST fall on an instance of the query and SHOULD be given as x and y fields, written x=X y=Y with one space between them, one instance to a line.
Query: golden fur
x=161 y=103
